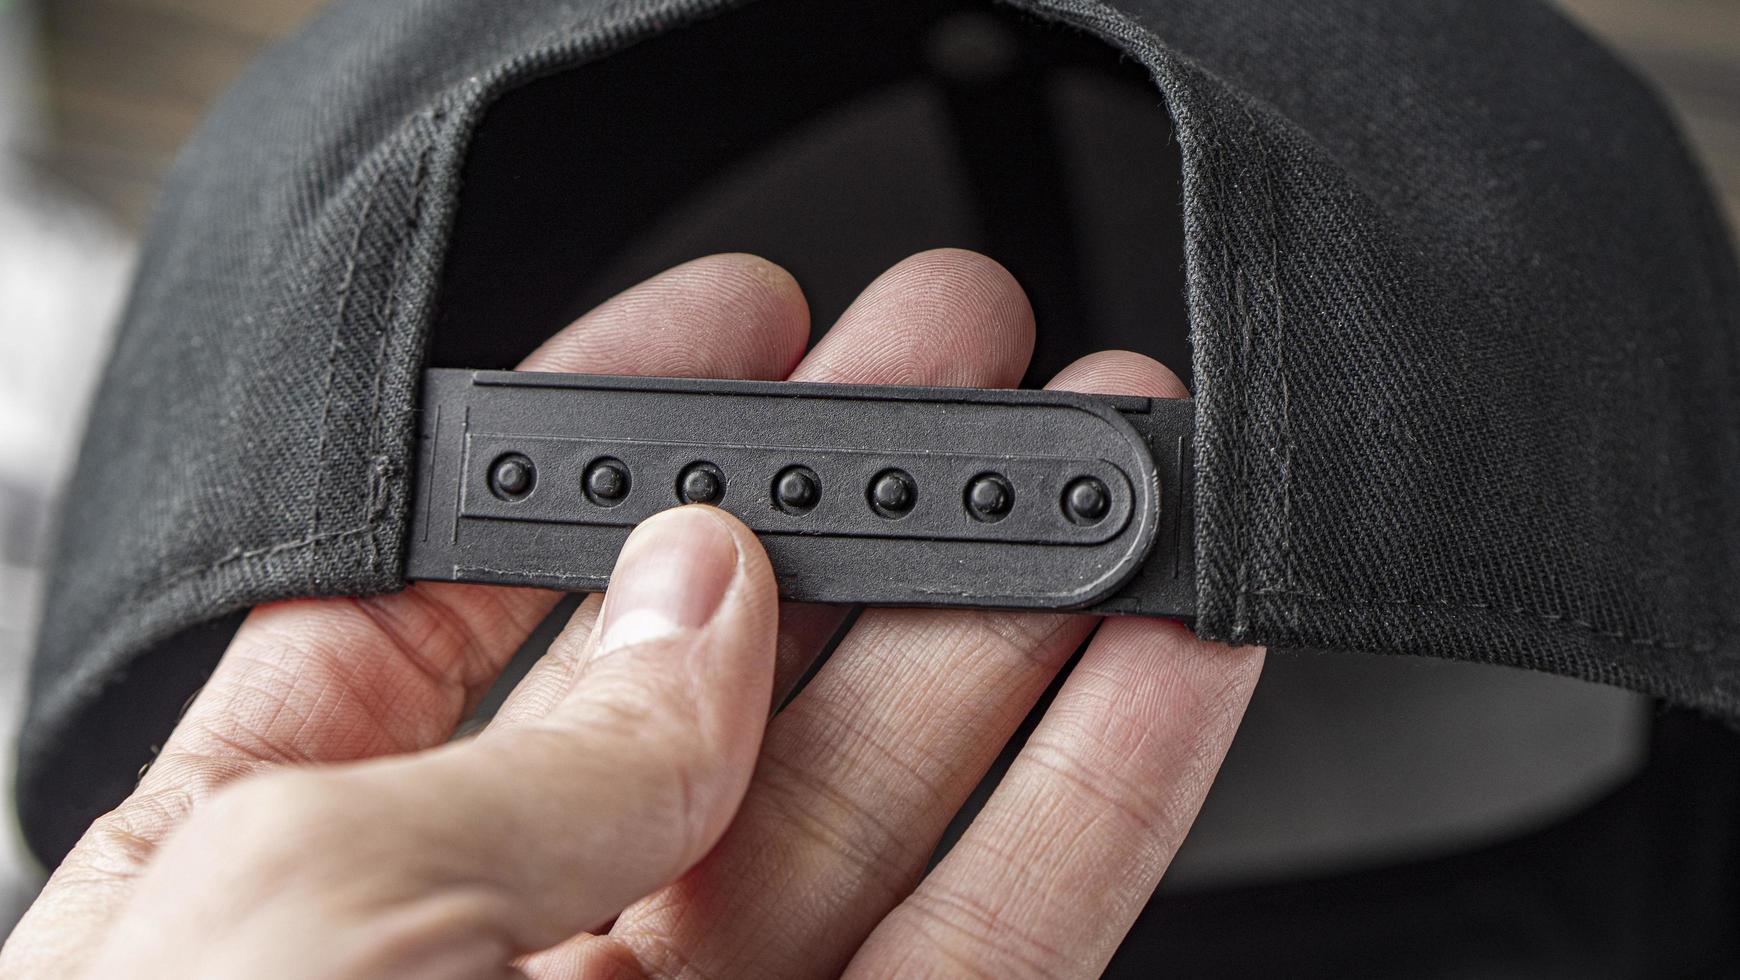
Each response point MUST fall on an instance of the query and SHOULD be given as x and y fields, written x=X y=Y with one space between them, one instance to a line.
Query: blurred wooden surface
x=128 y=79
x=1691 y=50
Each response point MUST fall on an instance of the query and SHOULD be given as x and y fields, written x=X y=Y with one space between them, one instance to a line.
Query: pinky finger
x=1055 y=869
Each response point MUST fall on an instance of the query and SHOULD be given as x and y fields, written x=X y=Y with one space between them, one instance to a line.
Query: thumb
x=516 y=840
x=650 y=752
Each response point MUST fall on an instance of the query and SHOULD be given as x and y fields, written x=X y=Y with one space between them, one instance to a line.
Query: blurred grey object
x=63 y=267
x=63 y=270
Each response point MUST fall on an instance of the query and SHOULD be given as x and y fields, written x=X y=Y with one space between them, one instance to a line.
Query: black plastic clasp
x=861 y=494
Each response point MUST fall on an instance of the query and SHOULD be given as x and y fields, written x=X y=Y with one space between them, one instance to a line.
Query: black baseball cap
x=1462 y=322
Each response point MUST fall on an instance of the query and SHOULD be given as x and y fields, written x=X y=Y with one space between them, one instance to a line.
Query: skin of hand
x=632 y=810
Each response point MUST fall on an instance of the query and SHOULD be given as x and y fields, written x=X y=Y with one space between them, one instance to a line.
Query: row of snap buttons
x=892 y=493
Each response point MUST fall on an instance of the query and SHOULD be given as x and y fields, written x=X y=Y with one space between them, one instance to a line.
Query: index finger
x=338 y=679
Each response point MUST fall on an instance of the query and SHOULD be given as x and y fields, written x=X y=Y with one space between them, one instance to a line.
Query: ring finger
x=860 y=775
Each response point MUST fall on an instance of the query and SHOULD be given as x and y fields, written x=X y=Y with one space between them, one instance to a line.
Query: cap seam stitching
x=1285 y=435
x=345 y=294
x=155 y=590
x=369 y=521
x=159 y=592
x=392 y=304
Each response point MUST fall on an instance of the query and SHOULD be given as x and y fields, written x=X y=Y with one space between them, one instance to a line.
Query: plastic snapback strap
x=878 y=495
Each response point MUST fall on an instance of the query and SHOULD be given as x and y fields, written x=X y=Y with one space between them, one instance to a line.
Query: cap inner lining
x=848 y=136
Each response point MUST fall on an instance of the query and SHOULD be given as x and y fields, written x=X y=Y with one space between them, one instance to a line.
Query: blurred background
x=96 y=96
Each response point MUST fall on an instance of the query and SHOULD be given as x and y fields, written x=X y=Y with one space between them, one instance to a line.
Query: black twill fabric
x=1463 y=315
x=1467 y=354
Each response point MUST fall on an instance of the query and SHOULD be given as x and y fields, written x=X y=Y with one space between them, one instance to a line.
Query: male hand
x=632 y=811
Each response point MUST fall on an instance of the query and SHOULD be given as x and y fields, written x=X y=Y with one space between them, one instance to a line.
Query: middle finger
x=945 y=317
x=858 y=779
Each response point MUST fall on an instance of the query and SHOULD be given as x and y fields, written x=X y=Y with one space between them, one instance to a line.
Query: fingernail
x=671 y=576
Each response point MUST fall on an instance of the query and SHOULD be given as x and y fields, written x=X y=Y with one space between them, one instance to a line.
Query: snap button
x=512 y=477
x=796 y=490
x=701 y=483
x=990 y=497
x=1086 y=501
x=892 y=493
x=606 y=482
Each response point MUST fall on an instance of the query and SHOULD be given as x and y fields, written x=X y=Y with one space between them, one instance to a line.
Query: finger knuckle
x=937 y=931
x=1094 y=788
x=1045 y=639
x=117 y=846
x=286 y=824
x=849 y=830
